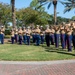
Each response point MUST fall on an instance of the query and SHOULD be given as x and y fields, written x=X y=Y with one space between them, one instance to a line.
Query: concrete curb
x=37 y=62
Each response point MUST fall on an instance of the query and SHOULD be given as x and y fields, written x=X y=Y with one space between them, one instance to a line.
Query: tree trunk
x=13 y=13
x=55 y=15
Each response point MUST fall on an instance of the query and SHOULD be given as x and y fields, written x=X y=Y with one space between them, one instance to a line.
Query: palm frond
x=67 y=9
x=69 y=5
x=61 y=2
x=42 y=5
x=42 y=1
x=49 y=5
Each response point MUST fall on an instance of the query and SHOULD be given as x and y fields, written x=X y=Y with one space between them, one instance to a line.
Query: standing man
x=16 y=35
x=20 y=32
x=57 y=36
x=52 y=36
x=2 y=34
x=42 y=35
x=69 y=39
x=63 y=38
x=47 y=36
x=33 y=35
x=37 y=31
x=73 y=38
x=12 y=36
x=24 y=35
x=28 y=32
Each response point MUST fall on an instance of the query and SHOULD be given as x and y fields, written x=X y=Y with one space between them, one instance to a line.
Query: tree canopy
x=5 y=14
x=27 y=16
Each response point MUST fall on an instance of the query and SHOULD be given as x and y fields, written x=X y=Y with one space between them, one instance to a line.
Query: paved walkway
x=62 y=67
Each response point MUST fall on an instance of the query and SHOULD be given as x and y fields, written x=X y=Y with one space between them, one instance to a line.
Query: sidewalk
x=61 y=67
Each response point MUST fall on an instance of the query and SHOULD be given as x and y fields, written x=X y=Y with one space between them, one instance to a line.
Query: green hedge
x=7 y=32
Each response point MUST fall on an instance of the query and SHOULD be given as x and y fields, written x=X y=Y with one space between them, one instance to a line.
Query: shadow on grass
x=50 y=49
x=57 y=50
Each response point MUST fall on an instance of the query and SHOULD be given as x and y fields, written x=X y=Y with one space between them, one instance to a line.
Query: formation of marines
x=53 y=35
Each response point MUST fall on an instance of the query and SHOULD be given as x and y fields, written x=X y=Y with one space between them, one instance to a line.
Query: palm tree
x=34 y=5
x=69 y=5
x=13 y=13
x=54 y=2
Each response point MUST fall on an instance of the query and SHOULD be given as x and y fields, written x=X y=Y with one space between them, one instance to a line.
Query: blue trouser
x=63 y=41
x=73 y=40
x=28 y=40
x=42 y=39
x=57 y=36
x=12 y=39
x=38 y=39
x=20 y=39
x=34 y=38
x=47 y=38
x=0 y=38
x=69 y=40
x=16 y=38
x=24 y=39
x=52 y=39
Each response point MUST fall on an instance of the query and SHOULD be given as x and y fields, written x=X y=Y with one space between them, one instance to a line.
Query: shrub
x=7 y=32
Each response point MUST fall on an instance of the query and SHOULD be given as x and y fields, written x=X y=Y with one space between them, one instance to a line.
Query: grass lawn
x=33 y=53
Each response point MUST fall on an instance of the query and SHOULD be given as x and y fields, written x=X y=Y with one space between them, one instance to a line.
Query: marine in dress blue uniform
x=28 y=32
x=16 y=35
x=69 y=40
x=42 y=35
x=63 y=37
x=24 y=35
x=33 y=36
x=57 y=37
x=52 y=36
x=20 y=32
x=12 y=36
x=73 y=38
x=47 y=36
x=37 y=31
x=2 y=34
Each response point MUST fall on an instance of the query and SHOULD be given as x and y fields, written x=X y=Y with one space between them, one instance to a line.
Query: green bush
x=7 y=36
x=7 y=32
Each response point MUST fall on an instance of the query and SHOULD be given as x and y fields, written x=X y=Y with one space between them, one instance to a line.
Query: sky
x=60 y=8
